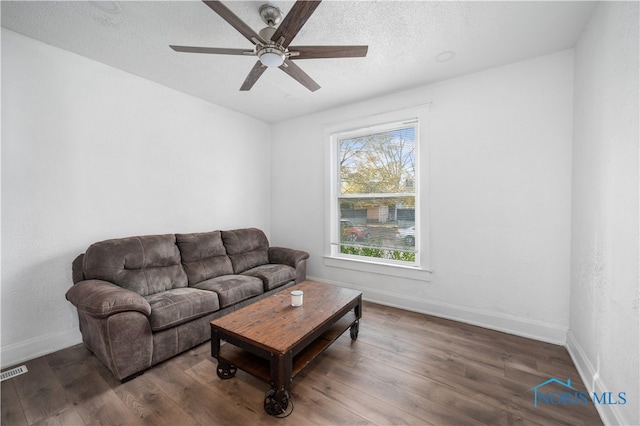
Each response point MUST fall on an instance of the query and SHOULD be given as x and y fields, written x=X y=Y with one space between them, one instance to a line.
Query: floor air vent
x=13 y=373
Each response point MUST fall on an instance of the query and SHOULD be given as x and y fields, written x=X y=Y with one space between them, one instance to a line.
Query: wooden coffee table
x=274 y=341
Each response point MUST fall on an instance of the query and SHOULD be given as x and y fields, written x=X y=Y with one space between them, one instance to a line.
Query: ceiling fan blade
x=232 y=19
x=300 y=76
x=315 y=52
x=295 y=19
x=253 y=76
x=213 y=50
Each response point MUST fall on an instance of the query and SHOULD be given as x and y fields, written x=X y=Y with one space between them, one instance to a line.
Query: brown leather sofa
x=142 y=300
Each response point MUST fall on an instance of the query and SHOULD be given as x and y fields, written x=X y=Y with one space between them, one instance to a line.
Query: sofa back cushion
x=147 y=265
x=203 y=256
x=247 y=248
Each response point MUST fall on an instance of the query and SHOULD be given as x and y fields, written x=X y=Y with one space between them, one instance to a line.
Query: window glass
x=376 y=193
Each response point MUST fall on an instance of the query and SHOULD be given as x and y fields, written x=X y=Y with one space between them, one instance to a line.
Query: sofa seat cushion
x=178 y=306
x=232 y=289
x=272 y=275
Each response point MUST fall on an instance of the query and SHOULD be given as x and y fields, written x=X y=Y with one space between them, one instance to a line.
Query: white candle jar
x=296 y=298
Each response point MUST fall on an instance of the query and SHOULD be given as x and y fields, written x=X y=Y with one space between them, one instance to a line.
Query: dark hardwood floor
x=405 y=368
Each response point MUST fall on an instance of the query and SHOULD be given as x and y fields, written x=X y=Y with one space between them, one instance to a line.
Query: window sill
x=401 y=271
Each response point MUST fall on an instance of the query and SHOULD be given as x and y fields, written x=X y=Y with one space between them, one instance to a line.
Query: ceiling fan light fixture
x=271 y=57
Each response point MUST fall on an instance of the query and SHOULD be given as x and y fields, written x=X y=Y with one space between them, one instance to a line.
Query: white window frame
x=419 y=270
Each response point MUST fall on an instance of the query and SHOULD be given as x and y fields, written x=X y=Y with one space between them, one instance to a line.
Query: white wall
x=89 y=153
x=498 y=194
x=604 y=324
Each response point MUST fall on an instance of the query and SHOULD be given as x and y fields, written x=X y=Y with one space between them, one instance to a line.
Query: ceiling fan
x=272 y=45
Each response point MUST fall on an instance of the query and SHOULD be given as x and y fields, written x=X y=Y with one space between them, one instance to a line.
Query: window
x=374 y=196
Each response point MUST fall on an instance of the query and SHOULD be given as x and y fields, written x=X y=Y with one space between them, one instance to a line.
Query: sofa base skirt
x=175 y=340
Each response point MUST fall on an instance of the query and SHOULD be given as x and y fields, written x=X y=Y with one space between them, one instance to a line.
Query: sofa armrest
x=101 y=299
x=286 y=256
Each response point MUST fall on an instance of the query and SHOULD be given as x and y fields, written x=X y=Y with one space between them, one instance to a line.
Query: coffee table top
x=273 y=324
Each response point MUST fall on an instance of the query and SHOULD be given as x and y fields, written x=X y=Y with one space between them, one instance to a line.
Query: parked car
x=352 y=232
x=408 y=235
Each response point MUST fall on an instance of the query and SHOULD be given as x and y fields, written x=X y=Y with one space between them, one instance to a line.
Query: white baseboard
x=537 y=330
x=33 y=348
x=591 y=378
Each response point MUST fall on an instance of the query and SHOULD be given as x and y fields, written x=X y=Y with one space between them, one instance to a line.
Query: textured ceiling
x=404 y=39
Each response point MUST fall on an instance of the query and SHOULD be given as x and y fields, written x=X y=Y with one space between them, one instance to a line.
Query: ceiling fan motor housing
x=270 y=54
x=266 y=33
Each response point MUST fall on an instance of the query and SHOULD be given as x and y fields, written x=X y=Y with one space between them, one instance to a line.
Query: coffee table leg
x=276 y=399
x=225 y=369
x=355 y=327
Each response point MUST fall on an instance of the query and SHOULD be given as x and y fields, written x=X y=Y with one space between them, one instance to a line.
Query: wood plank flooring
x=405 y=368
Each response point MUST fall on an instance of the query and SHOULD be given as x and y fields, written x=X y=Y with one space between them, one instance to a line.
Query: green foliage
x=372 y=252
x=404 y=256
x=350 y=250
